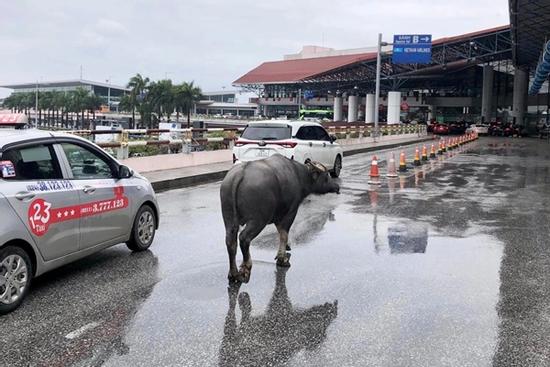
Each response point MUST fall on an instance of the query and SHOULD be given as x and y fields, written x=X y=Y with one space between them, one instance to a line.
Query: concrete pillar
x=521 y=83
x=369 y=108
x=394 y=107
x=338 y=108
x=431 y=112
x=487 y=93
x=352 y=108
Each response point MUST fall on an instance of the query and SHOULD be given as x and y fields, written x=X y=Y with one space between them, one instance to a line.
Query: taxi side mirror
x=124 y=172
x=333 y=138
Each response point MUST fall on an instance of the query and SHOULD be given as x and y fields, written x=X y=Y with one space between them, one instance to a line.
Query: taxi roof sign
x=13 y=119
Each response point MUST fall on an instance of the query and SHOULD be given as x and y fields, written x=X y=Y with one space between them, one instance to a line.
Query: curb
x=387 y=146
x=204 y=178
x=187 y=181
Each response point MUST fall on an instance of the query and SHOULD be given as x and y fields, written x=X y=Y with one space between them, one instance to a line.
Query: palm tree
x=78 y=103
x=93 y=103
x=187 y=95
x=161 y=97
x=138 y=85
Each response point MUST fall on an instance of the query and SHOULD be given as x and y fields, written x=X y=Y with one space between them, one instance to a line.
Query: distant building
x=224 y=103
x=110 y=93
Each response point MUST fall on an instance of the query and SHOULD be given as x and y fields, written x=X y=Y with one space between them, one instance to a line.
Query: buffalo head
x=321 y=181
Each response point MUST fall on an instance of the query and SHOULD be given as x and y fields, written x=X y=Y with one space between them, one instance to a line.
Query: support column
x=487 y=94
x=352 y=108
x=521 y=83
x=337 y=108
x=431 y=112
x=369 y=109
x=394 y=107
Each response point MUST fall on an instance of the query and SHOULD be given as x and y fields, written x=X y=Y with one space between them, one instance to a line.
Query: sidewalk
x=170 y=179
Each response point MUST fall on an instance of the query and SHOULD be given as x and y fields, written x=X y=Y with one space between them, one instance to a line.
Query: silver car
x=63 y=198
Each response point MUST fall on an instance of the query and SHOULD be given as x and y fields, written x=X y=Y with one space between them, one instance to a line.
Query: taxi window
x=86 y=164
x=36 y=162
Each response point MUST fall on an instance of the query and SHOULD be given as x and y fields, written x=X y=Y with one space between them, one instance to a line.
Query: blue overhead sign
x=412 y=49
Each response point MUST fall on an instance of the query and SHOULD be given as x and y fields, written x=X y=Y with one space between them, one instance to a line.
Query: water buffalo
x=258 y=193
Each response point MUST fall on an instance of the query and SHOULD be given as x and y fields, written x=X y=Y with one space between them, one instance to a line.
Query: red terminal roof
x=289 y=71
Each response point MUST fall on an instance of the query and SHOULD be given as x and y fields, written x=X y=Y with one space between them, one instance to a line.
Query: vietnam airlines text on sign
x=412 y=49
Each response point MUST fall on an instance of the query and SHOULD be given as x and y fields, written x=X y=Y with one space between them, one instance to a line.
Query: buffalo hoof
x=288 y=247
x=244 y=273
x=234 y=278
x=284 y=261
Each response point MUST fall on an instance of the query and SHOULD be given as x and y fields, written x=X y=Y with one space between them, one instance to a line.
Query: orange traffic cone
x=432 y=151
x=440 y=148
x=416 y=161
x=392 y=171
x=374 y=173
x=402 y=162
x=424 y=153
x=443 y=146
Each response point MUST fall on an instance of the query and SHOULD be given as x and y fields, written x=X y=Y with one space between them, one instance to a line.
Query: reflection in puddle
x=404 y=239
x=274 y=337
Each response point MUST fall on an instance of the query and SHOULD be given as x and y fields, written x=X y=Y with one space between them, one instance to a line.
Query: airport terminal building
x=110 y=93
x=483 y=75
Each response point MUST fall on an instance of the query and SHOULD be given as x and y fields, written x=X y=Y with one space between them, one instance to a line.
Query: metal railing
x=196 y=139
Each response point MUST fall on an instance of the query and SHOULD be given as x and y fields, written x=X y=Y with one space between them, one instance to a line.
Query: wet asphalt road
x=446 y=266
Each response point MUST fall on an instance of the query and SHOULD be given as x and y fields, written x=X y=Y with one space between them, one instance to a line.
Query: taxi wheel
x=143 y=231
x=15 y=277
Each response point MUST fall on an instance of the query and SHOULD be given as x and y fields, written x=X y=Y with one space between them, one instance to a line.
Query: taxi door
x=32 y=181
x=104 y=206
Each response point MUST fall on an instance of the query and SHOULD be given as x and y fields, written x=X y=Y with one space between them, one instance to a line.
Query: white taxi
x=63 y=198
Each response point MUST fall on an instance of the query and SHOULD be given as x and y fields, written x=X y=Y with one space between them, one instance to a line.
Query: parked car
x=63 y=198
x=511 y=130
x=480 y=129
x=458 y=127
x=543 y=130
x=298 y=140
x=496 y=129
x=441 y=129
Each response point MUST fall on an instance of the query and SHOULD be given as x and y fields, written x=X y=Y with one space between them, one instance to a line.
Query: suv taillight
x=283 y=143
x=240 y=143
x=286 y=144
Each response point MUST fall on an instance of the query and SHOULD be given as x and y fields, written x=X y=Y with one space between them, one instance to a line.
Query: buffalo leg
x=252 y=229
x=284 y=227
x=231 y=243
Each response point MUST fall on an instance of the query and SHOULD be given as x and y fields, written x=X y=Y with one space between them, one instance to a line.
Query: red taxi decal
x=41 y=214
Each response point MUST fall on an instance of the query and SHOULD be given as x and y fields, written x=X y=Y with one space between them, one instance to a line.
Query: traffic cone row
x=443 y=146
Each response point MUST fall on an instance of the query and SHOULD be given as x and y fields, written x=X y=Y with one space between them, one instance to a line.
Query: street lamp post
x=377 y=88
x=36 y=106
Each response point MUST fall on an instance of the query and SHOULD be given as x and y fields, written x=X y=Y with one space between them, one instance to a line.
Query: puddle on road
x=366 y=289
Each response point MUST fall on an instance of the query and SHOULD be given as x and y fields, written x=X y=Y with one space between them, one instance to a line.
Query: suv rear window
x=273 y=132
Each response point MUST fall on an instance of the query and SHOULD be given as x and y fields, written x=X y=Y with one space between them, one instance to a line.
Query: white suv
x=298 y=140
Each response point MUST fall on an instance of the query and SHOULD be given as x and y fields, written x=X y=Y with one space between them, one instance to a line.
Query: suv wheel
x=15 y=277
x=337 y=167
x=143 y=231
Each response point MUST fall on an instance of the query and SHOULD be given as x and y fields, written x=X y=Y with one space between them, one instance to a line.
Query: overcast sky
x=210 y=42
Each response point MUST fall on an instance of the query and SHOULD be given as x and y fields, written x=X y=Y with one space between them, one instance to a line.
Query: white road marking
x=78 y=332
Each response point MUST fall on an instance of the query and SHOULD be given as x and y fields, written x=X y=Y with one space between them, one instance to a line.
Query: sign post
x=412 y=49
x=377 y=88
x=407 y=49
